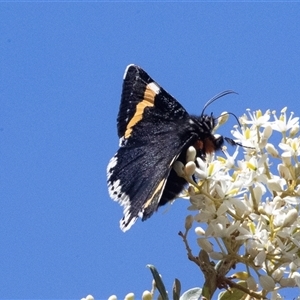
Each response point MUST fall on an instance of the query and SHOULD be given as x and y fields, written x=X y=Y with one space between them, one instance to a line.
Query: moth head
x=208 y=142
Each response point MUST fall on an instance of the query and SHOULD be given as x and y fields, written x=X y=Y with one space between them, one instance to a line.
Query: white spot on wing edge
x=154 y=87
x=123 y=222
x=115 y=192
x=127 y=214
x=126 y=70
x=122 y=141
x=125 y=201
x=112 y=163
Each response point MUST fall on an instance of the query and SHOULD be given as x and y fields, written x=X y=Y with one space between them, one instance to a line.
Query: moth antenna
x=216 y=97
x=233 y=143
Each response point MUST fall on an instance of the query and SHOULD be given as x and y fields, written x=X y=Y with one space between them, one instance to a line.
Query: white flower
x=249 y=201
x=291 y=147
x=229 y=162
x=257 y=118
x=283 y=124
x=245 y=136
x=276 y=184
x=208 y=170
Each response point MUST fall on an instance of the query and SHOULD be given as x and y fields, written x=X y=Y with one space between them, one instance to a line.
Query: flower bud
x=272 y=150
x=260 y=258
x=267 y=282
x=129 y=296
x=190 y=168
x=287 y=282
x=294 y=130
x=291 y=217
x=223 y=118
x=286 y=158
x=191 y=154
x=216 y=255
x=277 y=274
x=284 y=171
x=296 y=276
x=146 y=295
x=199 y=231
x=205 y=244
x=188 y=222
x=267 y=132
x=251 y=283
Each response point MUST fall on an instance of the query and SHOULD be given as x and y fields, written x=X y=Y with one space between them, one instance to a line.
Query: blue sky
x=61 y=68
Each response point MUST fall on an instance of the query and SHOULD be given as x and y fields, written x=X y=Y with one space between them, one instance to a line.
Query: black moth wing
x=153 y=131
x=140 y=91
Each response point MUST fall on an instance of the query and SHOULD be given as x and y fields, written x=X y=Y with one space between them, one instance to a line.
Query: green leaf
x=176 y=289
x=192 y=294
x=234 y=294
x=159 y=284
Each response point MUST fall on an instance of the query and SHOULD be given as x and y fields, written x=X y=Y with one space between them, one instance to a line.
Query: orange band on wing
x=148 y=101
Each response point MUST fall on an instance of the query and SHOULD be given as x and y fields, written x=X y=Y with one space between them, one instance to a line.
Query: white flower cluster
x=248 y=202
